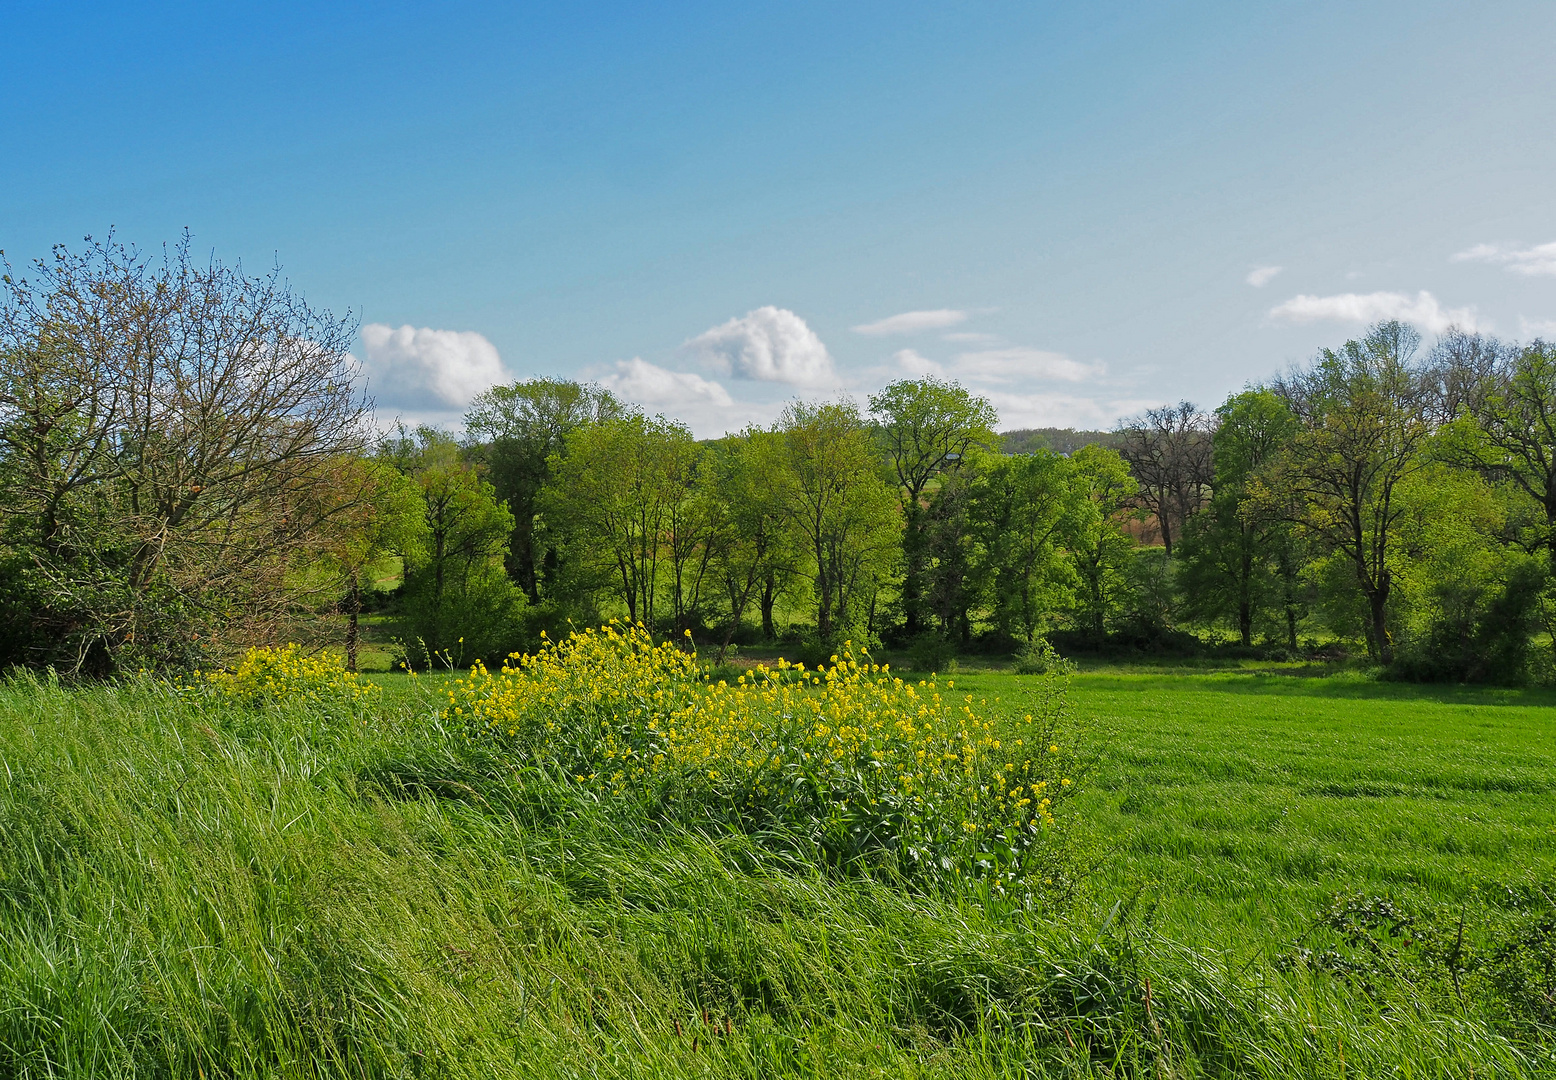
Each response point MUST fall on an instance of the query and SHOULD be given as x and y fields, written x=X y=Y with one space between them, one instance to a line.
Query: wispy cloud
x=1531 y=261
x=1023 y=410
x=1261 y=276
x=649 y=384
x=770 y=344
x=971 y=337
x=1422 y=310
x=912 y=322
x=1537 y=328
x=1019 y=364
x=421 y=368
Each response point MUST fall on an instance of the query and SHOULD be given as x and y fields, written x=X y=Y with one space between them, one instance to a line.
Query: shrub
x=478 y=615
x=269 y=676
x=931 y=652
x=849 y=765
x=1038 y=657
x=1476 y=631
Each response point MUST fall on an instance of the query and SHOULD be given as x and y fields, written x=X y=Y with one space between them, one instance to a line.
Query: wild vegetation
x=638 y=796
x=1289 y=877
x=185 y=471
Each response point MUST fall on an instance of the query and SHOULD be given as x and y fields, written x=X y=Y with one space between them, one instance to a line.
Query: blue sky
x=715 y=208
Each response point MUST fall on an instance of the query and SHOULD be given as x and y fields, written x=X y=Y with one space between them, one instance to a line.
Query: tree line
x=187 y=466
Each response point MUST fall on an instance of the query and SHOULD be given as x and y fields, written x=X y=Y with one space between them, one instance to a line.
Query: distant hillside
x=1063 y=440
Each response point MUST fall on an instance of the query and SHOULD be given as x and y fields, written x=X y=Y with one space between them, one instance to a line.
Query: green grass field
x=1242 y=802
x=188 y=890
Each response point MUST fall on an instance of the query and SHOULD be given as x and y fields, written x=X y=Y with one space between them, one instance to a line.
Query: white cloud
x=1261 y=276
x=1422 y=310
x=971 y=337
x=420 y=368
x=1533 y=261
x=911 y=322
x=770 y=344
x=1062 y=410
x=911 y=364
x=1537 y=328
x=649 y=384
x=1017 y=364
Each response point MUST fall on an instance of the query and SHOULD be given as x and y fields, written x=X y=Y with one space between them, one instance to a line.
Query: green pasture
x=1239 y=802
x=189 y=890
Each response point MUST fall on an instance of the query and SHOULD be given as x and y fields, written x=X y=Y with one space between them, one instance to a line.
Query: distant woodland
x=188 y=467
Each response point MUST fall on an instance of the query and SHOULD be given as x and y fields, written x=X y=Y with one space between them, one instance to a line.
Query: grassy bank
x=193 y=889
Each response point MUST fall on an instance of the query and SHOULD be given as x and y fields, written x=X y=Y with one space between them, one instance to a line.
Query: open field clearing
x=1240 y=802
x=354 y=888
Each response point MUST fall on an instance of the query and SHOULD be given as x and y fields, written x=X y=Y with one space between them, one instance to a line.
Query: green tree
x=752 y=552
x=614 y=494
x=929 y=430
x=840 y=510
x=1364 y=416
x=1100 y=551
x=1023 y=508
x=388 y=519
x=521 y=426
x=1506 y=428
x=1231 y=565
x=459 y=599
x=1466 y=600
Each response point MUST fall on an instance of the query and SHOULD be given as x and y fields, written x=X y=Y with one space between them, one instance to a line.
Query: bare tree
x=1169 y=451
x=167 y=436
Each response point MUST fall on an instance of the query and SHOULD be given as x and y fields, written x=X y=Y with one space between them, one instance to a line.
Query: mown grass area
x=1240 y=804
x=189 y=888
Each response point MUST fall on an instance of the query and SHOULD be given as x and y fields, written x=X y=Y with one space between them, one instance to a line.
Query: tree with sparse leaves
x=168 y=431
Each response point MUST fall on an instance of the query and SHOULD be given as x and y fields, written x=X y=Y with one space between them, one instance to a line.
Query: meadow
x=1277 y=874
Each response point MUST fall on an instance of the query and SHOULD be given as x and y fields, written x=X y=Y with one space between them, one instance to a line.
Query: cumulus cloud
x=911 y=322
x=770 y=344
x=1422 y=310
x=1018 y=364
x=421 y=368
x=1261 y=276
x=649 y=384
x=1532 y=261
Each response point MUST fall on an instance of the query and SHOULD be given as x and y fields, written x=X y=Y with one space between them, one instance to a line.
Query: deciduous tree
x=167 y=432
x=928 y=429
x=840 y=508
x=1365 y=413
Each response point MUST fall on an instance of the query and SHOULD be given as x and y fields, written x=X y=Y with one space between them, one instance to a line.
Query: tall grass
x=189 y=888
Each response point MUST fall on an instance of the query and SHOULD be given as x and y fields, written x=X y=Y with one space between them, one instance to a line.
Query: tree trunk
x=768 y=600
x=523 y=561
x=912 y=586
x=1378 y=601
x=353 y=610
x=1244 y=599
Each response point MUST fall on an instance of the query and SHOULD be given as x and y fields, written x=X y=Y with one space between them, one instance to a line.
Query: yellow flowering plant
x=849 y=763
x=276 y=674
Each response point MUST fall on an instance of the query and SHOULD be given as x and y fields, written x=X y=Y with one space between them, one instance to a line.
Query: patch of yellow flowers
x=850 y=763
x=272 y=674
